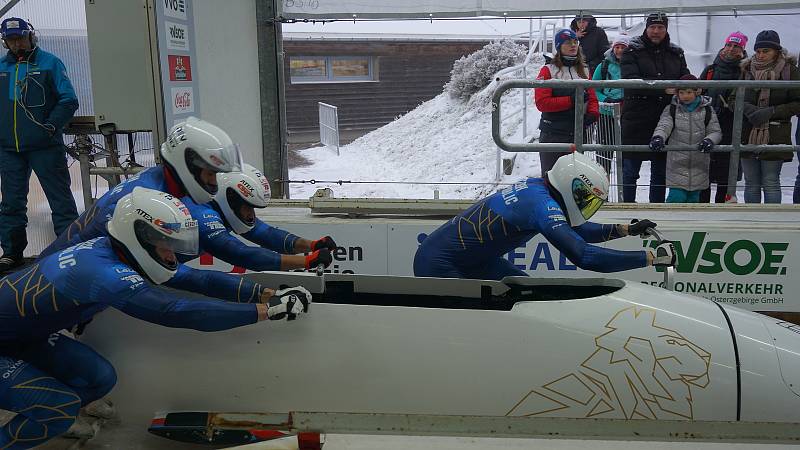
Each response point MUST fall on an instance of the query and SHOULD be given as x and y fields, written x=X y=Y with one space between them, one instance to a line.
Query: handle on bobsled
x=669 y=271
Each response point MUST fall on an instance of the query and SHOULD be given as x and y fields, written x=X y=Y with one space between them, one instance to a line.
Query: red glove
x=321 y=256
x=323 y=242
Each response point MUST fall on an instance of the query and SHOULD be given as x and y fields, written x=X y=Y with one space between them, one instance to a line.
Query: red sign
x=180 y=68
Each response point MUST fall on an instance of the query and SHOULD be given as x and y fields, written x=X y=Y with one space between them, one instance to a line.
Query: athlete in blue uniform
x=233 y=209
x=473 y=244
x=195 y=155
x=45 y=377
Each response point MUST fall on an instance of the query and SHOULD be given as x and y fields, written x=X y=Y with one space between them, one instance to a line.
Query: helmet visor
x=588 y=202
x=171 y=236
x=224 y=159
x=243 y=209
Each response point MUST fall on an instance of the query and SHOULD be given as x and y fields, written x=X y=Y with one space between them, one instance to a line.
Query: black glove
x=748 y=109
x=323 y=242
x=760 y=116
x=665 y=255
x=288 y=303
x=321 y=256
x=657 y=143
x=639 y=227
x=705 y=145
x=588 y=120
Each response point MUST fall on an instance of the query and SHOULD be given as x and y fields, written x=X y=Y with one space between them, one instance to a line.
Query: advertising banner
x=754 y=270
x=176 y=54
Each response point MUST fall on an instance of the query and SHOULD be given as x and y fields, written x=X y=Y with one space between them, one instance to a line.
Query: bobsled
x=578 y=348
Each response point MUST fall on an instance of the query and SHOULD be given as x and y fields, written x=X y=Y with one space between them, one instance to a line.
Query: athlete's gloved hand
x=705 y=145
x=657 y=143
x=665 y=255
x=588 y=120
x=760 y=116
x=323 y=242
x=288 y=303
x=321 y=256
x=639 y=227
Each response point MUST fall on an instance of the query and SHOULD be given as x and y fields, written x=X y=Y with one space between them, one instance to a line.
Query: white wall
x=227 y=67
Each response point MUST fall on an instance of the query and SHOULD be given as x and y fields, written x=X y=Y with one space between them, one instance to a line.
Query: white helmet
x=582 y=183
x=250 y=187
x=194 y=145
x=147 y=220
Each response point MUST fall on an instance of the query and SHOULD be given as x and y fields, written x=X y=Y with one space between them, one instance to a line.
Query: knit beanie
x=563 y=36
x=737 y=38
x=622 y=39
x=658 y=18
x=768 y=39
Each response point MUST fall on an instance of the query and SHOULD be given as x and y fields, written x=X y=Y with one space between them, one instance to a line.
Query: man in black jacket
x=650 y=56
x=594 y=41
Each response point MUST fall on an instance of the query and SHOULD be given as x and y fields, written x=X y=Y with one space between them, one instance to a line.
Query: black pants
x=548 y=159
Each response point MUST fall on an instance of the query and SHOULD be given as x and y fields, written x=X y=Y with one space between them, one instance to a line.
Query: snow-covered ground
x=445 y=144
x=443 y=141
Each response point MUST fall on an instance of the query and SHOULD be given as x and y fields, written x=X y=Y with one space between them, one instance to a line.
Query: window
x=331 y=69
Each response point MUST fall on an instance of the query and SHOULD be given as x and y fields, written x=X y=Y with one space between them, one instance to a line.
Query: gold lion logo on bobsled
x=639 y=370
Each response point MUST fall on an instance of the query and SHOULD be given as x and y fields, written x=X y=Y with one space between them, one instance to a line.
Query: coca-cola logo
x=183 y=100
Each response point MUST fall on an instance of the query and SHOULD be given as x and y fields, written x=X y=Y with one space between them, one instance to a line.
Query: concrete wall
x=227 y=63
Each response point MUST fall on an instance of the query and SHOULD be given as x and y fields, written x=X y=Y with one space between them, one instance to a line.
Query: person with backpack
x=688 y=120
x=557 y=123
x=724 y=67
x=609 y=70
x=769 y=117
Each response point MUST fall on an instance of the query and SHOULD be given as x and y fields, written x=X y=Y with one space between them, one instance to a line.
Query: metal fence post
x=736 y=142
x=579 y=111
x=618 y=154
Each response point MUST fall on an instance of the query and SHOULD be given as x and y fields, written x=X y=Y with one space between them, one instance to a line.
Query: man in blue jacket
x=38 y=102
x=45 y=376
x=474 y=243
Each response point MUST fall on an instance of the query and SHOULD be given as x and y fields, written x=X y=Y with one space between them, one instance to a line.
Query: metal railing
x=736 y=147
x=607 y=131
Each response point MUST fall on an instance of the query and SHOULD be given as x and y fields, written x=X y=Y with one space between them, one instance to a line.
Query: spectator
x=557 y=104
x=594 y=41
x=724 y=67
x=650 y=56
x=769 y=113
x=609 y=70
x=688 y=120
x=37 y=105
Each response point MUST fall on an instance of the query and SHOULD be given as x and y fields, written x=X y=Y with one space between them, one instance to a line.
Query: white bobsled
x=582 y=348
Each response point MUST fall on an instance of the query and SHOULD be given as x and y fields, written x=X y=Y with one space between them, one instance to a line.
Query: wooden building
x=371 y=79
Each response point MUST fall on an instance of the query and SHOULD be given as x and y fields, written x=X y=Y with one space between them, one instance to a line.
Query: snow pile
x=440 y=144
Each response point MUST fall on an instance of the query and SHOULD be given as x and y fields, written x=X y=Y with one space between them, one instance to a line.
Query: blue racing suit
x=44 y=376
x=216 y=239
x=213 y=238
x=473 y=244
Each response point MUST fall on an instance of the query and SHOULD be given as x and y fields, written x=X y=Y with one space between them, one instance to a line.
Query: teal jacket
x=608 y=95
x=36 y=90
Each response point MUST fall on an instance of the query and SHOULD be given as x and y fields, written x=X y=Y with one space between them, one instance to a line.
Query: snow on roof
x=392 y=37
